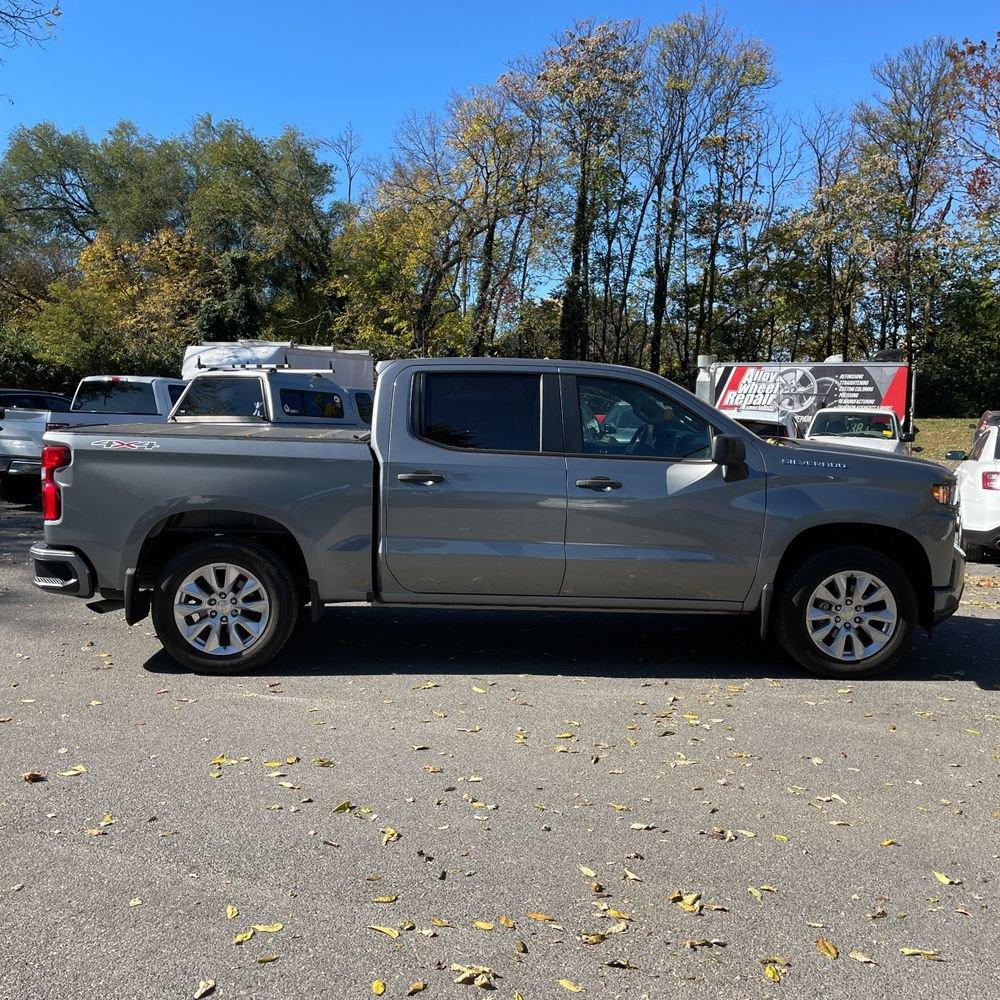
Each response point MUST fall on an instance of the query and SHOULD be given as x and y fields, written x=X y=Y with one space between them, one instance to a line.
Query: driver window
x=626 y=419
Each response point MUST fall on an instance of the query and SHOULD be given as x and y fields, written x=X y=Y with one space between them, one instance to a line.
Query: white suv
x=978 y=476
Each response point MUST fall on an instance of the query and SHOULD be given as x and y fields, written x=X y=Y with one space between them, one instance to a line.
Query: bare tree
x=26 y=21
x=346 y=146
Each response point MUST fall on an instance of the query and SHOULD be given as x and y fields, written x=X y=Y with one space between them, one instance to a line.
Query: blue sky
x=318 y=65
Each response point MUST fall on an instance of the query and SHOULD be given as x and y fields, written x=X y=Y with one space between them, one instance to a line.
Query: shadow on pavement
x=361 y=640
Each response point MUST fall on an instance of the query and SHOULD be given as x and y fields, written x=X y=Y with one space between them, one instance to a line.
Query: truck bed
x=130 y=482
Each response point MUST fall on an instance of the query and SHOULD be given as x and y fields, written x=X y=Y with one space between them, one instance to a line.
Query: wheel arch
x=180 y=529
x=894 y=543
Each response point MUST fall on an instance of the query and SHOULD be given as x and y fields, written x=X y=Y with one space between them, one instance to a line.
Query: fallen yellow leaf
x=947 y=879
x=827 y=948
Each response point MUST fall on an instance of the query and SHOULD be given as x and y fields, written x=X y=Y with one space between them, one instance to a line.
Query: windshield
x=867 y=425
x=115 y=396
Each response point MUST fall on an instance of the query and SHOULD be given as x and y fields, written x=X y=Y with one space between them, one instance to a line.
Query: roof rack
x=272 y=366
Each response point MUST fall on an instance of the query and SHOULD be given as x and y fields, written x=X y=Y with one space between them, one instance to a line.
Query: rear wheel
x=224 y=607
x=846 y=612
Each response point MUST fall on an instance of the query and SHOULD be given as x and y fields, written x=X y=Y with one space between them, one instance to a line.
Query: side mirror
x=730 y=452
x=919 y=448
x=908 y=437
x=955 y=456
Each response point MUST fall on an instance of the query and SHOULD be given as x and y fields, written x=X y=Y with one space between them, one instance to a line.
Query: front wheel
x=224 y=607
x=846 y=612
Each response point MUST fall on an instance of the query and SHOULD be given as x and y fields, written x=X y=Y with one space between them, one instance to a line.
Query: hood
x=832 y=449
x=867 y=444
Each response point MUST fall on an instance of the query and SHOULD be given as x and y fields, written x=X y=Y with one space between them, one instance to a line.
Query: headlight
x=943 y=493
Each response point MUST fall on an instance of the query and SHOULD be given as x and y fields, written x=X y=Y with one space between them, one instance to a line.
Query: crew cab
x=273 y=395
x=490 y=483
x=877 y=429
x=99 y=399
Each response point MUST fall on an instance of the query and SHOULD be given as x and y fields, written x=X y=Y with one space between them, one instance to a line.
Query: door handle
x=599 y=483
x=422 y=477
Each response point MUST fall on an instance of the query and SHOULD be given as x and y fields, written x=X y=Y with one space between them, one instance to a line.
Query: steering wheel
x=637 y=439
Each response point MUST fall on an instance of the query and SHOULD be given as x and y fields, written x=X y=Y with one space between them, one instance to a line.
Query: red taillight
x=991 y=480
x=54 y=457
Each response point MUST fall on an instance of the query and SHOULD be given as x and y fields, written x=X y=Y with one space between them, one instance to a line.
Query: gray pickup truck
x=501 y=484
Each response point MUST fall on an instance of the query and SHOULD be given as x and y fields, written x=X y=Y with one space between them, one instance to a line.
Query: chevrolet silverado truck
x=493 y=483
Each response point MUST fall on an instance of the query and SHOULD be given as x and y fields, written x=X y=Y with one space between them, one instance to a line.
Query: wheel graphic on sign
x=795 y=391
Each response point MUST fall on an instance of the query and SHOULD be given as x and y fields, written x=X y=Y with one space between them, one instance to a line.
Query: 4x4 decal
x=126 y=445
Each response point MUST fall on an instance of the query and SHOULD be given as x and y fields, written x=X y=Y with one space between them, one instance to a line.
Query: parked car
x=876 y=429
x=32 y=399
x=989 y=418
x=487 y=484
x=978 y=476
x=768 y=424
x=19 y=461
x=272 y=395
x=99 y=399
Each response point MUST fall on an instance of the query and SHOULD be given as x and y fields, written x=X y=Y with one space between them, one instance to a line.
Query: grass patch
x=943 y=434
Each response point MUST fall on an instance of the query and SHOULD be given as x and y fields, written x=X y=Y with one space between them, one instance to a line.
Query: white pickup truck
x=99 y=399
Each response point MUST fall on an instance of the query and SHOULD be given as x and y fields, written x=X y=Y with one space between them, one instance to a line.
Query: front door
x=649 y=516
x=473 y=506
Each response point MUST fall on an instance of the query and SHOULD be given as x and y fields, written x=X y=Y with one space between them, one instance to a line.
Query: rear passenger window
x=482 y=412
x=365 y=403
x=223 y=397
x=306 y=403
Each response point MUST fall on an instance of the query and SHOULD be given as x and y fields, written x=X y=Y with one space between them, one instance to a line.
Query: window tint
x=977 y=448
x=109 y=396
x=627 y=419
x=57 y=403
x=485 y=412
x=364 y=401
x=19 y=401
x=223 y=397
x=306 y=403
x=174 y=392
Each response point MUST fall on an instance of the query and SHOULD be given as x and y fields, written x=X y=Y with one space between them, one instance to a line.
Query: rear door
x=474 y=486
x=649 y=516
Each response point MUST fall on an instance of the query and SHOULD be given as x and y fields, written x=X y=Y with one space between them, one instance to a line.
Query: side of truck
x=500 y=483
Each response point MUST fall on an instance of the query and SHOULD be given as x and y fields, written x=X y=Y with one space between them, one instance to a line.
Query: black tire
x=794 y=593
x=21 y=489
x=275 y=580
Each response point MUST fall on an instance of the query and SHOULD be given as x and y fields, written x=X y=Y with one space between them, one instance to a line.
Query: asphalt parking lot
x=548 y=804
